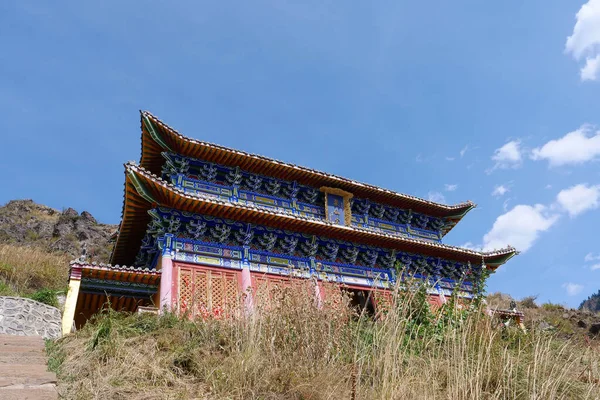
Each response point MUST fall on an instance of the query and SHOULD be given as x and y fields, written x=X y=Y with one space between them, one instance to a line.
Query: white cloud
x=572 y=289
x=450 y=158
x=591 y=257
x=591 y=69
x=595 y=267
x=579 y=198
x=450 y=187
x=463 y=151
x=575 y=147
x=508 y=156
x=500 y=190
x=585 y=40
x=548 y=186
x=471 y=246
x=519 y=227
x=505 y=204
x=436 y=197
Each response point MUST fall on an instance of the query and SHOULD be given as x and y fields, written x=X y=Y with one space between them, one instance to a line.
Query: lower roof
x=144 y=191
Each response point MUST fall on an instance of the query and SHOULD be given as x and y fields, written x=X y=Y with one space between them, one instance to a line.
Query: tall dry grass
x=26 y=269
x=292 y=349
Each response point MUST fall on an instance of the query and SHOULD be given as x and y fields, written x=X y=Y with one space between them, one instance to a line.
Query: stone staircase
x=24 y=373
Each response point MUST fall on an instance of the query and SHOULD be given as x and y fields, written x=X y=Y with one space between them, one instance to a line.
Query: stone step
x=21 y=349
x=29 y=393
x=21 y=337
x=23 y=370
x=24 y=343
x=22 y=358
x=42 y=379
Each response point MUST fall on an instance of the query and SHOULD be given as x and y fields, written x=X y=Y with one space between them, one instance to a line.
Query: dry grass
x=295 y=350
x=24 y=270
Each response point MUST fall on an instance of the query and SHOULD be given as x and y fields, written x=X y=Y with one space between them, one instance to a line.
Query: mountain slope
x=26 y=223
x=592 y=303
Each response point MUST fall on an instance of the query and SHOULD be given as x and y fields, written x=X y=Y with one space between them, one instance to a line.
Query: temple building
x=204 y=226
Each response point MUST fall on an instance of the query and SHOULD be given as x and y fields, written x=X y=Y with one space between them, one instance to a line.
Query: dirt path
x=24 y=373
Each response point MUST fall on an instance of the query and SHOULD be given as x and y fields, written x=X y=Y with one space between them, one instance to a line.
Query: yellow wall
x=70 y=303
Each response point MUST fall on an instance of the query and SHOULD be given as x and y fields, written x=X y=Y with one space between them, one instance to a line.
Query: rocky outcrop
x=592 y=303
x=25 y=222
x=26 y=317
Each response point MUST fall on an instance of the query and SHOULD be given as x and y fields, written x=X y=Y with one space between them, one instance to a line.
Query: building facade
x=205 y=227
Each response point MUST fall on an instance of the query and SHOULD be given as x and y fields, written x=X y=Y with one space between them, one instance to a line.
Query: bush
x=45 y=296
x=529 y=302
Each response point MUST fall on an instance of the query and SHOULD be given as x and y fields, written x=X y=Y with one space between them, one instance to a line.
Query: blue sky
x=443 y=100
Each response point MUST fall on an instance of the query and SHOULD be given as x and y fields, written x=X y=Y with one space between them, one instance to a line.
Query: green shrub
x=45 y=296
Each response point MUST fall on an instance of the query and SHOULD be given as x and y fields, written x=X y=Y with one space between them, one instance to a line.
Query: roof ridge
x=457 y=206
x=170 y=186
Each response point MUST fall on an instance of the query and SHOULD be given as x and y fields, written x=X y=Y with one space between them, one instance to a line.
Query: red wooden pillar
x=166 y=282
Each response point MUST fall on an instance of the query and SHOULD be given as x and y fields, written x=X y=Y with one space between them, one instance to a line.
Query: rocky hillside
x=24 y=222
x=592 y=303
x=565 y=322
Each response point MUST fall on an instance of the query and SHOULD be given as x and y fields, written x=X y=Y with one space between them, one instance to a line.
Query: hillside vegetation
x=25 y=270
x=294 y=350
x=37 y=243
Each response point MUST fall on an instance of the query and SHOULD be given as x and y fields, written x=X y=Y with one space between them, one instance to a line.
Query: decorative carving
x=391 y=214
x=388 y=260
x=406 y=262
x=330 y=251
x=245 y=235
x=175 y=165
x=436 y=224
x=369 y=257
x=420 y=265
x=208 y=172
x=288 y=244
x=253 y=182
x=220 y=232
x=436 y=267
x=291 y=190
x=310 y=247
x=273 y=186
x=362 y=206
x=377 y=211
x=268 y=241
x=234 y=177
x=196 y=229
x=421 y=221
x=159 y=225
x=309 y=195
x=406 y=217
x=350 y=254
x=147 y=242
x=173 y=224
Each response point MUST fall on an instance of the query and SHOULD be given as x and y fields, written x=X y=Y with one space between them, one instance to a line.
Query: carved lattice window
x=205 y=293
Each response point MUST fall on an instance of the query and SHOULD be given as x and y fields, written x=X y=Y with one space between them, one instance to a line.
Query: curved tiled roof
x=110 y=267
x=160 y=137
x=150 y=191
